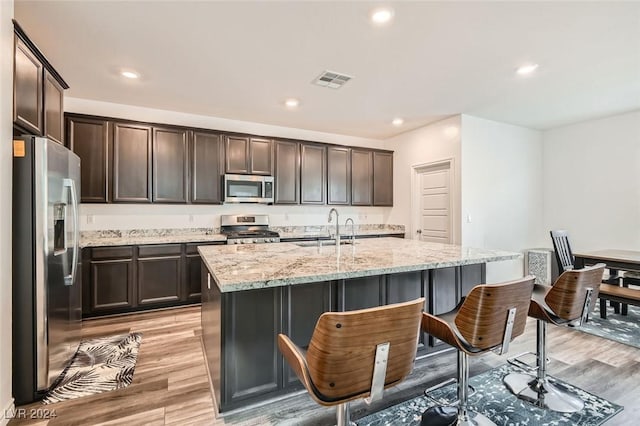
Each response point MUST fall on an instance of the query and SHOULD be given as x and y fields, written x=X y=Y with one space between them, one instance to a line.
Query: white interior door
x=434 y=203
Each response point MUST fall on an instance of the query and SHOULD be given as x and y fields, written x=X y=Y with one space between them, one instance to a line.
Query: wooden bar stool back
x=570 y=299
x=356 y=354
x=488 y=318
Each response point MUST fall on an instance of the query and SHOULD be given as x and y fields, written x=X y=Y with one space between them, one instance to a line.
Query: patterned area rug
x=494 y=401
x=620 y=328
x=100 y=365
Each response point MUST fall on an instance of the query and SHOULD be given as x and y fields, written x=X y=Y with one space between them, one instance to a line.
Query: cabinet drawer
x=160 y=250
x=112 y=252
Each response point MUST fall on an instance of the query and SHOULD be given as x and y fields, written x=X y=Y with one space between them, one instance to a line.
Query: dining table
x=616 y=260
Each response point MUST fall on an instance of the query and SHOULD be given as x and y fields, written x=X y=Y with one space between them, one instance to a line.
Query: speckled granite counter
x=236 y=268
x=287 y=286
x=148 y=236
x=326 y=231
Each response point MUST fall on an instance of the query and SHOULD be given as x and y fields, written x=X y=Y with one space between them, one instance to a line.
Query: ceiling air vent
x=331 y=79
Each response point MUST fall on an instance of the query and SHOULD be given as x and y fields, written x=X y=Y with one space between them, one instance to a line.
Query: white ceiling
x=241 y=60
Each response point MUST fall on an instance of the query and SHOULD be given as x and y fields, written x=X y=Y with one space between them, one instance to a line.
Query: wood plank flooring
x=170 y=385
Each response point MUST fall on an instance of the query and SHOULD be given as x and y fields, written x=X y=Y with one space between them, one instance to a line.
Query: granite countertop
x=118 y=237
x=236 y=268
x=149 y=236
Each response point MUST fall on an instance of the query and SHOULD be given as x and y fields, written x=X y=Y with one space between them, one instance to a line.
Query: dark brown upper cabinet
x=361 y=177
x=287 y=172
x=89 y=139
x=27 y=89
x=382 y=179
x=38 y=91
x=131 y=163
x=53 y=108
x=313 y=174
x=248 y=155
x=206 y=168
x=338 y=175
x=170 y=165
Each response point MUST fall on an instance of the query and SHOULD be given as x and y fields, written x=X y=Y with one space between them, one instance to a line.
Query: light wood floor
x=170 y=385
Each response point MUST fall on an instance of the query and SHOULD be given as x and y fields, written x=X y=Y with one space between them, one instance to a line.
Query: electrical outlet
x=190 y=218
x=89 y=219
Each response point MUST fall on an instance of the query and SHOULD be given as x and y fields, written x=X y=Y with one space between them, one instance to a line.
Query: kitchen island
x=250 y=293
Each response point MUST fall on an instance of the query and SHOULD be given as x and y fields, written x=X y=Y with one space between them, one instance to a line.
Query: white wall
x=6 y=125
x=139 y=216
x=119 y=216
x=591 y=182
x=429 y=144
x=501 y=190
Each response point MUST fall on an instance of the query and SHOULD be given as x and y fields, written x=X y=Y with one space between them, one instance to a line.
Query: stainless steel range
x=247 y=229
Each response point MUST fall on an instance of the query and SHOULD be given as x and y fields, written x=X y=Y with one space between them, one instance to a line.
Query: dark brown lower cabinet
x=112 y=284
x=159 y=276
x=253 y=321
x=132 y=278
x=240 y=329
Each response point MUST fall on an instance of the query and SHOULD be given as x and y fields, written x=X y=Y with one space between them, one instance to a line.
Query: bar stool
x=488 y=318
x=356 y=354
x=569 y=299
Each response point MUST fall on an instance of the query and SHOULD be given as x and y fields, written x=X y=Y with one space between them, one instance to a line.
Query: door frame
x=418 y=169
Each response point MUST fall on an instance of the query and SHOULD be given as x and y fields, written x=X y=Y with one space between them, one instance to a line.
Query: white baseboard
x=7 y=412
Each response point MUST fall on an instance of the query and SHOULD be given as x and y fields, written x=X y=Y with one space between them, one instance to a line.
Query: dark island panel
x=240 y=328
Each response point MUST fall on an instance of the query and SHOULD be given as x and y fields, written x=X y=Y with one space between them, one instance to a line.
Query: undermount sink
x=318 y=243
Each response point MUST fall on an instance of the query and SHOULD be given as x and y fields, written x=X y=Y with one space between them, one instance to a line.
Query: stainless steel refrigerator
x=47 y=296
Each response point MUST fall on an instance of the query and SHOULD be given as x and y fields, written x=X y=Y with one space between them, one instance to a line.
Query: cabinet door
x=260 y=154
x=253 y=364
x=237 y=154
x=160 y=275
x=53 y=109
x=131 y=163
x=89 y=139
x=287 y=172
x=304 y=305
x=206 y=170
x=338 y=175
x=361 y=177
x=382 y=179
x=313 y=174
x=112 y=285
x=27 y=89
x=170 y=165
x=361 y=293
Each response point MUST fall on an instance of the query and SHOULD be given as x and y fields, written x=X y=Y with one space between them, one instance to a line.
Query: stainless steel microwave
x=248 y=189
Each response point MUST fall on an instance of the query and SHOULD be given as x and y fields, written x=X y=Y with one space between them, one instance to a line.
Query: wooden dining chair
x=562 y=249
x=569 y=300
x=356 y=354
x=487 y=319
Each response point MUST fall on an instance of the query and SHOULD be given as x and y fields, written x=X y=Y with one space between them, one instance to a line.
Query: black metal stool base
x=542 y=393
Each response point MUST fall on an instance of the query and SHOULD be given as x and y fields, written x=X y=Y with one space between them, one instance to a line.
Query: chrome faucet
x=353 y=232
x=337 y=227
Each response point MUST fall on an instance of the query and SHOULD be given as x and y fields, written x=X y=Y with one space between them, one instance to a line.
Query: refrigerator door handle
x=71 y=278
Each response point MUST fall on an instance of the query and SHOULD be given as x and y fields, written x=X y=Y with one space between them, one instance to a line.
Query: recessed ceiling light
x=526 y=69
x=292 y=103
x=130 y=74
x=381 y=15
x=397 y=122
